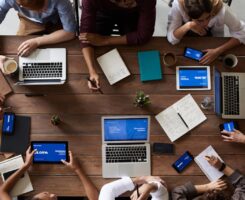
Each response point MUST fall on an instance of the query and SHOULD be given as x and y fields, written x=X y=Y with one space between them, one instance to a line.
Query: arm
x=90 y=189
x=11 y=181
x=4 y=8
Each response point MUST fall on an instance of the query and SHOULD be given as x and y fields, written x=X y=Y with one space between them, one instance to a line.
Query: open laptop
x=43 y=67
x=229 y=94
x=125 y=148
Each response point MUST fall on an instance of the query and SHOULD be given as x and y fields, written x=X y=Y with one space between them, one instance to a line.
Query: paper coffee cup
x=10 y=66
x=169 y=59
x=230 y=61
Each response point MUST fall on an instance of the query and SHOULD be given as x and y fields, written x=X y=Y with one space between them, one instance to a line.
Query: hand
x=95 y=78
x=210 y=56
x=94 y=39
x=234 y=136
x=73 y=164
x=27 y=47
x=144 y=191
x=214 y=161
x=2 y=98
x=216 y=185
x=197 y=28
x=29 y=157
x=2 y=60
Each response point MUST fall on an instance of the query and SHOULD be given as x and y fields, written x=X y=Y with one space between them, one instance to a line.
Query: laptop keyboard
x=115 y=154
x=231 y=95
x=42 y=70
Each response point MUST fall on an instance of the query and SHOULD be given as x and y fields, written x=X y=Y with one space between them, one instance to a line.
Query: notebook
x=113 y=66
x=212 y=173
x=150 y=66
x=180 y=118
x=19 y=141
x=4 y=85
x=8 y=167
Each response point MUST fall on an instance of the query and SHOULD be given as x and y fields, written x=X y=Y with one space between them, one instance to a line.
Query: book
x=150 y=66
x=211 y=172
x=113 y=66
x=5 y=88
x=8 y=167
x=181 y=117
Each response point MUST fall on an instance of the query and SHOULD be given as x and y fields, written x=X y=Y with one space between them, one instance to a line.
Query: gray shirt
x=56 y=10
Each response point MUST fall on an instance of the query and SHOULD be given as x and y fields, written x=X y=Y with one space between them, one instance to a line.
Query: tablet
x=193 y=78
x=50 y=152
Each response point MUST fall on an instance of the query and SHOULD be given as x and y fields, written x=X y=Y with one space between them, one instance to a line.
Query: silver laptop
x=43 y=67
x=125 y=148
x=229 y=94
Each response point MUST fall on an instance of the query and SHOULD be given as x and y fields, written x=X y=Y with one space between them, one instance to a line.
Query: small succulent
x=55 y=120
x=141 y=100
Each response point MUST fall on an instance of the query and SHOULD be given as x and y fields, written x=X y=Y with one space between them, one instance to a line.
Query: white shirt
x=114 y=189
x=178 y=16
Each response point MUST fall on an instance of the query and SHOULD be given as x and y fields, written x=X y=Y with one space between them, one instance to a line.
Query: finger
x=226 y=137
x=22 y=47
x=22 y=50
x=26 y=52
x=64 y=162
x=28 y=150
x=70 y=155
x=86 y=41
x=91 y=86
x=225 y=132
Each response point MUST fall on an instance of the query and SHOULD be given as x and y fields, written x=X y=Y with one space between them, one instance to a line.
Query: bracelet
x=222 y=167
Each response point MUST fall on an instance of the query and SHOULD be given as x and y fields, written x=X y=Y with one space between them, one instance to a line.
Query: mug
x=169 y=59
x=10 y=67
x=230 y=61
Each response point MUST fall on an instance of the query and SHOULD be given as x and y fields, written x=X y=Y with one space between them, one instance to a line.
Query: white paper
x=113 y=66
x=24 y=184
x=211 y=172
x=171 y=122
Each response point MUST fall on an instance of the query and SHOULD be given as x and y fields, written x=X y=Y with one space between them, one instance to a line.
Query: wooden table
x=81 y=111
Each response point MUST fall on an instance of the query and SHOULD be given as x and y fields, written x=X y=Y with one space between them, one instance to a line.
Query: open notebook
x=113 y=66
x=8 y=167
x=212 y=173
x=181 y=117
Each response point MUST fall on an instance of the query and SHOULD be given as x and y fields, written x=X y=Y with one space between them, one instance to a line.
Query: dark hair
x=32 y=4
x=196 y=8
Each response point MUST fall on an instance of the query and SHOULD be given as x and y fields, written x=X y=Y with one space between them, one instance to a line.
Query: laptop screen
x=217 y=92
x=126 y=129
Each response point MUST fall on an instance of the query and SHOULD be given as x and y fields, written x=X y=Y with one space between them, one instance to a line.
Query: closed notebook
x=150 y=66
x=4 y=85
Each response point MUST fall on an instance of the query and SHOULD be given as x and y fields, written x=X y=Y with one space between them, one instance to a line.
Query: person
x=215 y=190
x=149 y=186
x=6 y=187
x=54 y=20
x=234 y=136
x=204 y=18
x=2 y=98
x=135 y=20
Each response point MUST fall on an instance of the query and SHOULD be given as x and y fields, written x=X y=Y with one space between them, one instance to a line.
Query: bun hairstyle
x=32 y=4
x=196 y=8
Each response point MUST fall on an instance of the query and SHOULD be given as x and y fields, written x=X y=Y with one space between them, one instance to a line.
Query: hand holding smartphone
x=193 y=54
x=229 y=126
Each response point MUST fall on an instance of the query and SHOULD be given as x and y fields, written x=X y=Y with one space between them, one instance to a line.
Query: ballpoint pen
x=94 y=85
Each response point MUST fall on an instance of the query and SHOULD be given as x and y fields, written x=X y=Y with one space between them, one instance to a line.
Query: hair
x=32 y=4
x=196 y=8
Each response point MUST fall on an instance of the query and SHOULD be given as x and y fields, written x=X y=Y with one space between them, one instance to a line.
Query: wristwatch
x=222 y=167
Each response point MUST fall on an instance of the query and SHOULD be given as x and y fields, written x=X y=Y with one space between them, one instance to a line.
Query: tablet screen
x=193 y=78
x=50 y=152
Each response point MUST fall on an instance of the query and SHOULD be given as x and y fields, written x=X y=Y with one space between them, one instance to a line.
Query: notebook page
x=113 y=66
x=171 y=123
x=212 y=173
x=190 y=111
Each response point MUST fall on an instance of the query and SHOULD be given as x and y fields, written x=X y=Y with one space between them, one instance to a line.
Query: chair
x=75 y=5
x=228 y=2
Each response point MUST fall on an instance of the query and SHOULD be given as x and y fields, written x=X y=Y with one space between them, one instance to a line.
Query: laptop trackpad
x=126 y=170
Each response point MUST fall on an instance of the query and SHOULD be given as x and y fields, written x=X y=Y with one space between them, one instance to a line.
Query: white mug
x=10 y=66
x=230 y=61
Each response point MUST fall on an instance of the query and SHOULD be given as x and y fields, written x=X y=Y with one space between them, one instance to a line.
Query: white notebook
x=113 y=66
x=181 y=117
x=211 y=172
x=24 y=183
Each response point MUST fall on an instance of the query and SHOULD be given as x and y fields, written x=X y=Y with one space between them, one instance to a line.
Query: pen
x=137 y=189
x=94 y=85
x=34 y=95
x=183 y=120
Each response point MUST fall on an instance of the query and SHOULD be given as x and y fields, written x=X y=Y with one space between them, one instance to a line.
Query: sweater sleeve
x=184 y=192
x=238 y=181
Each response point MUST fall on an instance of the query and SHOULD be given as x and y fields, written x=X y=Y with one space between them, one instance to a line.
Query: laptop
x=229 y=94
x=125 y=148
x=43 y=67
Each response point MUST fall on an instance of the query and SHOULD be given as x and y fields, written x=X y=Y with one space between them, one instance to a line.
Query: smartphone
x=193 y=54
x=163 y=148
x=229 y=126
x=183 y=161
x=6 y=175
x=8 y=123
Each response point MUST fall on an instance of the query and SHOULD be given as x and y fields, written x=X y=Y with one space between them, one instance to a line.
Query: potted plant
x=55 y=120
x=141 y=100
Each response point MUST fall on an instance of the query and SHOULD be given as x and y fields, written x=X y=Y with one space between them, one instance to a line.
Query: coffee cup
x=10 y=67
x=169 y=59
x=230 y=61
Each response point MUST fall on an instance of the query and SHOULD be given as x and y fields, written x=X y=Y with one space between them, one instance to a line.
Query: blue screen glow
x=126 y=129
x=193 y=78
x=8 y=123
x=49 y=152
x=193 y=54
x=229 y=126
x=183 y=161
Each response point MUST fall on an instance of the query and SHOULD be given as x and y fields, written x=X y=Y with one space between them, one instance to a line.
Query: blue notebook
x=150 y=66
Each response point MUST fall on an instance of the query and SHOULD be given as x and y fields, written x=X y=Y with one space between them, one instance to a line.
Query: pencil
x=94 y=85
